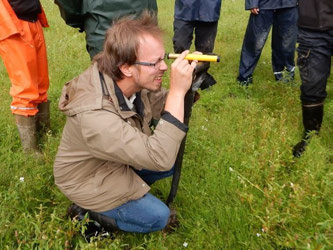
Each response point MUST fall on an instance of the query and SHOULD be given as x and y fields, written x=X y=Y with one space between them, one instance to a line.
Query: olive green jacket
x=96 y=16
x=103 y=142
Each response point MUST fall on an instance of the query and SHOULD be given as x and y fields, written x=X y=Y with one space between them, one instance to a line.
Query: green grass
x=240 y=186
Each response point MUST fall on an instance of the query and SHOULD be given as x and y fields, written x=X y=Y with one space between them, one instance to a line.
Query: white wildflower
x=21 y=179
x=258 y=234
x=185 y=244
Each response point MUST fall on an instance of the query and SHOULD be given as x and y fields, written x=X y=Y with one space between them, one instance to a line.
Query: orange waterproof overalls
x=23 y=50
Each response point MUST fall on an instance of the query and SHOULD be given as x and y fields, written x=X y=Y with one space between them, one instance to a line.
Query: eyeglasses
x=156 y=65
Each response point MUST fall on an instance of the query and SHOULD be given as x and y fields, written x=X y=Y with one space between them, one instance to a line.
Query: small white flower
x=231 y=169
x=185 y=244
x=258 y=234
x=21 y=179
x=291 y=184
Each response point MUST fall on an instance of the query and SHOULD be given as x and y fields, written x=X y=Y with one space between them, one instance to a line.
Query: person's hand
x=181 y=74
x=255 y=11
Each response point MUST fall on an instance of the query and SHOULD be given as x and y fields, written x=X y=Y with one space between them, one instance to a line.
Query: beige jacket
x=103 y=141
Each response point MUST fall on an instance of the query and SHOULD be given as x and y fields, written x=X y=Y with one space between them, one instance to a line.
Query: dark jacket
x=316 y=14
x=270 y=4
x=26 y=10
x=198 y=10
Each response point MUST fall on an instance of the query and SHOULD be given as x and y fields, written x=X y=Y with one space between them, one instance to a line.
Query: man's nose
x=163 y=65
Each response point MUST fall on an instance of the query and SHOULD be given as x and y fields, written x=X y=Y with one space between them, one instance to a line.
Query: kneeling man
x=108 y=155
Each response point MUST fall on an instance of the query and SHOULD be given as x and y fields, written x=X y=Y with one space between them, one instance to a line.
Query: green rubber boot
x=26 y=126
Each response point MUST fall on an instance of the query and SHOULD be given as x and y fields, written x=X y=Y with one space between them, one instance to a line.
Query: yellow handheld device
x=198 y=57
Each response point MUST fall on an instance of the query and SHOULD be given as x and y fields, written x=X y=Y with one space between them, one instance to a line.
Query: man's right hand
x=180 y=81
x=255 y=11
x=181 y=74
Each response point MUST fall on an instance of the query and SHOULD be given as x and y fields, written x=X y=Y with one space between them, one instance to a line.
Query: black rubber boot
x=312 y=119
x=99 y=225
x=208 y=81
x=26 y=126
x=43 y=117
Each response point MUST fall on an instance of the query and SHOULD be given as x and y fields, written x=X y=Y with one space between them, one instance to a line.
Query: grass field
x=240 y=187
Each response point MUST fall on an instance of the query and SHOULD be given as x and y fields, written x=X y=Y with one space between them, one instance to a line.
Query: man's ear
x=126 y=70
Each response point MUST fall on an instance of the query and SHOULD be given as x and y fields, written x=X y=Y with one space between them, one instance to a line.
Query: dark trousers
x=314 y=61
x=284 y=35
x=205 y=33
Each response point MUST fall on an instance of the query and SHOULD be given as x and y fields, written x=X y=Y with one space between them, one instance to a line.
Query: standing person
x=23 y=50
x=199 y=17
x=315 y=50
x=108 y=155
x=282 y=15
x=95 y=17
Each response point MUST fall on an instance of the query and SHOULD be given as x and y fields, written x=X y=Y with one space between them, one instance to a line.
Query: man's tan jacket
x=103 y=142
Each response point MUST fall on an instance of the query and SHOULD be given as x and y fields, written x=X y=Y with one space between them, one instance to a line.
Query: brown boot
x=173 y=222
x=27 y=129
x=43 y=117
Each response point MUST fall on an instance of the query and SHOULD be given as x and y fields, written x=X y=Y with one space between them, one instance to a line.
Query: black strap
x=103 y=85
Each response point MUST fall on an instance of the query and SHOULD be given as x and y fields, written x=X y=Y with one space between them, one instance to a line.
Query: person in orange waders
x=23 y=51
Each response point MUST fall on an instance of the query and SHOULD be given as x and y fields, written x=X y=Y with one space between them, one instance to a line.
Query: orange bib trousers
x=24 y=56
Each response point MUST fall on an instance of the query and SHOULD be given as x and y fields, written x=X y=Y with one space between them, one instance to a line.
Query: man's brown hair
x=122 y=42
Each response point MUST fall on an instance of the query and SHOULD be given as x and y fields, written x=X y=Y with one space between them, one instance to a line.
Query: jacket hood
x=82 y=93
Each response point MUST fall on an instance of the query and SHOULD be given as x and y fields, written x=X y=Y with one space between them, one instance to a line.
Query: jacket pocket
x=303 y=60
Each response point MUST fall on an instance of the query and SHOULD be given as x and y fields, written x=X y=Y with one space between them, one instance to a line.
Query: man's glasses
x=156 y=65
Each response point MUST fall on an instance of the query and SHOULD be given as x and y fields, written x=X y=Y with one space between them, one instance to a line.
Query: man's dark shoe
x=278 y=76
x=208 y=81
x=91 y=228
x=285 y=76
x=289 y=76
x=299 y=148
x=245 y=82
x=74 y=212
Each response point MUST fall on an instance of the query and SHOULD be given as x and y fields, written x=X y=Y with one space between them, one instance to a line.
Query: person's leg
x=284 y=36
x=205 y=34
x=19 y=56
x=254 y=40
x=314 y=62
x=42 y=64
x=183 y=35
x=19 y=53
x=43 y=115
x=144 y=215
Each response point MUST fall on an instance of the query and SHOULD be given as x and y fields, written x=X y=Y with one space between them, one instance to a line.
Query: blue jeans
x=283 y=40
x=146 y=214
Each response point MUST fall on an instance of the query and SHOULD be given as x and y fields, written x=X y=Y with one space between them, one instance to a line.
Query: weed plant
x=240 y=186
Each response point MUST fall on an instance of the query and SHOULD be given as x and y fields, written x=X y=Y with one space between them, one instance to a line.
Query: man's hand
x=255 y=11
x=180 y=81
x=181 y=74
